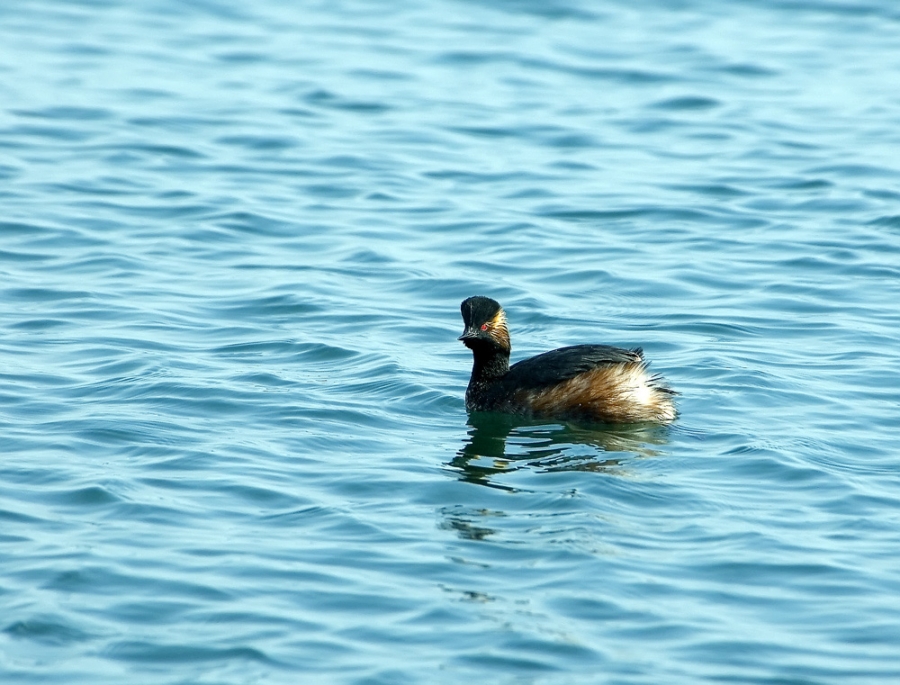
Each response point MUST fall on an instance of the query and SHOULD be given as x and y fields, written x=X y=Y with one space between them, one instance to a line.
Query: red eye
x=484 y=326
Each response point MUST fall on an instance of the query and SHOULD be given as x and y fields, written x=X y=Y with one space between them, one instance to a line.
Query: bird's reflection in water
x=498 y=443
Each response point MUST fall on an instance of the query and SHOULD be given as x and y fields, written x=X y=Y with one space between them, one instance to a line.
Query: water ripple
x=234 y=440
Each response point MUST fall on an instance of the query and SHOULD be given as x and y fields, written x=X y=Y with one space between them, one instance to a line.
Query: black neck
x=490 y=364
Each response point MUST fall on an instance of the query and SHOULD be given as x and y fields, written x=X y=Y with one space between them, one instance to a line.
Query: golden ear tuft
x=498 y=329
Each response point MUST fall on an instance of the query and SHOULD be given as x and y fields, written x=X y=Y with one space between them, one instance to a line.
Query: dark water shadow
x=499 y=443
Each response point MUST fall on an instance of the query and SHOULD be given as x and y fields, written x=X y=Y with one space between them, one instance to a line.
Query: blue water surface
x=233 y=242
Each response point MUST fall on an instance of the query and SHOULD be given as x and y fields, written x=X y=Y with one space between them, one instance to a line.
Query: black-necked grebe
x=596 y=383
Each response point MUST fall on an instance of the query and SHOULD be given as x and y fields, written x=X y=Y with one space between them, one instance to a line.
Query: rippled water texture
x=234 y=239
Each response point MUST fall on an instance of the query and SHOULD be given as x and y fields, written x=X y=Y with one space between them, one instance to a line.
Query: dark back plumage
x=560 y=365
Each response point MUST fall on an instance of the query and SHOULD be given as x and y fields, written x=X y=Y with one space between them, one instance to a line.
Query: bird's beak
x=468 y=334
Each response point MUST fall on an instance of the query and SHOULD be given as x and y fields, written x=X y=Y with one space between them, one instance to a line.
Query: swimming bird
x=594 y=383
